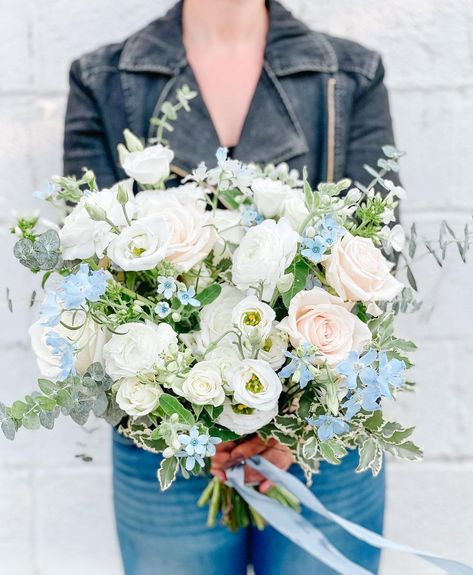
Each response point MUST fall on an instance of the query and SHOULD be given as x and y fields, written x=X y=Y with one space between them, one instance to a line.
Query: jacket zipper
x=331 y=129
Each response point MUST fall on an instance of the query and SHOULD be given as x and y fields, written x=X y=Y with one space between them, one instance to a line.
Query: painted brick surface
x=56 y=507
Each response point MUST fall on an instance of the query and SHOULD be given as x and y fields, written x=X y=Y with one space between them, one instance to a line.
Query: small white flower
x=269 y=196
x=203 y=385
x=150 y=166
x=137 y=398
x=253 y=318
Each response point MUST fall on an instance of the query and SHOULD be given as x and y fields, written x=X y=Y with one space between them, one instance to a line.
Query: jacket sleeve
x=85 y=139
x=370 y=129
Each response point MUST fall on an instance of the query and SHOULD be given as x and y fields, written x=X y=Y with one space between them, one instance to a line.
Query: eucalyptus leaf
x=8 y=428
x=31 y=421
x=47 y=419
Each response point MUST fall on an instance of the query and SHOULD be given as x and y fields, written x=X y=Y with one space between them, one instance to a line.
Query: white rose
x=140 y=246
x=89 y=339
x=269 y=196
x=253 y=318
x=216 y=317
x=323 y=320
x=150 y=201
x=254 y=384
x=245 y=420
x=149 y=166
x=294 y=209
x=229 y=232
x=203 y=385
x=358 y=271
x=273 y=348
x=262 y=256
x=136 y=348
x=192 y=236
x=225 y=355
x=137 y=398
x=81 y=237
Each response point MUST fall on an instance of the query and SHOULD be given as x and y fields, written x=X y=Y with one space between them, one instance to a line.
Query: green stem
x=137 y=296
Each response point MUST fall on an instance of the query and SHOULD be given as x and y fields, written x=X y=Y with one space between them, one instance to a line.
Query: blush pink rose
x=323 y=320
x=358 y=271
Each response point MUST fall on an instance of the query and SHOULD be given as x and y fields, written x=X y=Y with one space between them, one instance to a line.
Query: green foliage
x=167 y=472
x=171 y=405
x=209 y=294
x=40 y=252
x=169 y=113
x=300 y=270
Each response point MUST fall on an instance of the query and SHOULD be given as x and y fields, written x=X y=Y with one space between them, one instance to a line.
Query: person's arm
x=85 y=140
x=370 y=129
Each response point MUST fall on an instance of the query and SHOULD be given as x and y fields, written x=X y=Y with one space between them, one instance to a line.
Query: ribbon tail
x=295 y=527
x=309 y=500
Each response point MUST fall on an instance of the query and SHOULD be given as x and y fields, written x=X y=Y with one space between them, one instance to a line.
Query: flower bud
x=122 y=195
x=122 y=153
x=310 y=232
x=353 y=195
x=96 y=213
x=285 y=282
x=176 y=316
x=133 y=143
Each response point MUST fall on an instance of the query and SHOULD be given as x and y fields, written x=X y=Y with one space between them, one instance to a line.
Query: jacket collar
x=291 y=46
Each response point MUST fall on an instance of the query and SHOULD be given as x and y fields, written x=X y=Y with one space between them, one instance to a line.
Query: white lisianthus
x=140 y=246
x=269 y=196
x=254 y=384
x=244 y=420
x=82 y=237
x=253 y=318
x=192 y=236
x=324 y=321
x=203 y=385
x=229 y=233
x=262 y=256
x=358 y=271
x=216 y=318
x=294 y=209
x=137 y=398
x=149 y=166
x=273 y=348
x=137 y=348
x=89 y=339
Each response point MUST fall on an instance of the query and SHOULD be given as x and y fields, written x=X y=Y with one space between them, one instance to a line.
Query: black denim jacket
x=320 y=102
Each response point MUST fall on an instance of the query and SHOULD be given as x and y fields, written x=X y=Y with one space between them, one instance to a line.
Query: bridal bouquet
x=240 y=302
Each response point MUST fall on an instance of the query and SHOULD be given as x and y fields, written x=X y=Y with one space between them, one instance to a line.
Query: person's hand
x=230 y=454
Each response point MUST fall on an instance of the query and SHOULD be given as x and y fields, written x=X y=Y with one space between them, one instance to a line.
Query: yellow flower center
x=252 y=318
x=242 y=409
x=268 y=344
x=254 y=385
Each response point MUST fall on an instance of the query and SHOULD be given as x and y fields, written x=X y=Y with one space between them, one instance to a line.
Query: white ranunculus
x=269 y=196
x=149 y=166
x=89 y=339
x=262 y=256
x=225 y=355
x=136 y=348
x=254 y=384
x=323 y=320
x=229 y=233
x=273 y=348
x=244 y=421
x=192 y=236
x=137 y=398
x=81 y=237
x=253 y=318
x=358 y=271
x=216 y=317
x=294 y=209
x=140 y=246
x=203 y=385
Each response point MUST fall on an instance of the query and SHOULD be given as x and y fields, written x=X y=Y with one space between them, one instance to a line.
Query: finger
x=252 y=476
x=265 y=486
x=282 y=458
x=218 y=473
x=253 y=446
x=225 y=447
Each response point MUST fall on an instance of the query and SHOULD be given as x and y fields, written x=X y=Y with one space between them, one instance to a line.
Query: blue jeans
x=166 y=534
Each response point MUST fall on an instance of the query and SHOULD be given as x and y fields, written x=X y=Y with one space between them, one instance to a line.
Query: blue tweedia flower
x=64 y=350
x=167 y=286
x=221 y=155
x=328 y=426
x=162 y=309
x=82 y=286
x=391 y=372
x=311 y=282
x=197 y=446
x=186 y=297
x=251 y=217
x=331 y=230
x=298 y=368
x=314 y=249
x=50 y=309
x=355 y=366
x=47 y=191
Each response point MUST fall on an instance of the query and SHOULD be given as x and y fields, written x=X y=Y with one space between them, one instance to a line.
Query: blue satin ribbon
x=302 y=533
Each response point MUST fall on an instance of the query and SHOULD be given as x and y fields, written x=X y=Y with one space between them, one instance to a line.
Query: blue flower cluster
x=196 y=446
x=75 y=290
x=299 y=368
x=250 y=217
x=375 y=383
x=328 y=426
x=328 y=232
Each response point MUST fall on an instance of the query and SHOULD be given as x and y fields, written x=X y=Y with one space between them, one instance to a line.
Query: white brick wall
x=53 y=506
